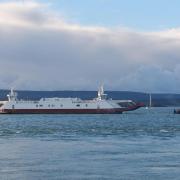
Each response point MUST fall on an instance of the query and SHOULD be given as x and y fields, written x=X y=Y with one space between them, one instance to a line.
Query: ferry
x=99 y=105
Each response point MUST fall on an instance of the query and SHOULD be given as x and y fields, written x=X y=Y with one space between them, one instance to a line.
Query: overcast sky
x=60 y=45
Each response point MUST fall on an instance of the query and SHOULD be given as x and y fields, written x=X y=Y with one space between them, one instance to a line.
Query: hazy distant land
x=158 y=100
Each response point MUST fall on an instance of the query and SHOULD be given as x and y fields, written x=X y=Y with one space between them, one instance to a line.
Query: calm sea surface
x=143 y=144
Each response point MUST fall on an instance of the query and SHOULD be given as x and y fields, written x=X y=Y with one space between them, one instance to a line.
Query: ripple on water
x=136 y=145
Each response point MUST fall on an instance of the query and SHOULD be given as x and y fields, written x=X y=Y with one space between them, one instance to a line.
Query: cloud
x=39 y=49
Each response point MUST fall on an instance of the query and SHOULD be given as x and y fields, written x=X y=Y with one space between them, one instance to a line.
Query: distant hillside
x=157 y=99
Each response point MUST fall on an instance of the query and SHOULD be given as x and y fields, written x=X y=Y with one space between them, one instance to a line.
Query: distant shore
x=158 y=100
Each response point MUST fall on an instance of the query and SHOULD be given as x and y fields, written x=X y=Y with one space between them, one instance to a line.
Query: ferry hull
x=71 y=111
x=62 y=111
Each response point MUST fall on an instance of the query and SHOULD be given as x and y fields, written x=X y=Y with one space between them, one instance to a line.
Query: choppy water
x=143 y=144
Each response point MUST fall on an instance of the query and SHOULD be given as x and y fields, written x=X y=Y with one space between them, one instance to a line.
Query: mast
x=150 y=100
x=12 y=96
x=149 y=104
x=101 y=94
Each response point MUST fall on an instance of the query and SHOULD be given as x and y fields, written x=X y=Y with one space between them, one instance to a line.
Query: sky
x=78 y=45
x=137 y=14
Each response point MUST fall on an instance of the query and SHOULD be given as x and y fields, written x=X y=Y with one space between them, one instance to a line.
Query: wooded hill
x=160 y=100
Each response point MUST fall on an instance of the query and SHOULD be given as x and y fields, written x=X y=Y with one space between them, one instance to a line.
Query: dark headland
x=158 y=100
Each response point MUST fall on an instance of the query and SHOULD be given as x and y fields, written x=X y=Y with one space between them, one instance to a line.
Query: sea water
x=142 y=144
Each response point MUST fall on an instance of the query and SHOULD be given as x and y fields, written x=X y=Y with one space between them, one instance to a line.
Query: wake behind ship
x=99 y=105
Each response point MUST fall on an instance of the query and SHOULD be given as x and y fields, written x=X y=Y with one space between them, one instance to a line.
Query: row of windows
x=49 y=105
x=78 y=105
x=52 y=105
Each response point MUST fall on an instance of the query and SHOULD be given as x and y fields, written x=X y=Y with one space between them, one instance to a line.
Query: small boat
x=99 y=105
x=176 y=111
